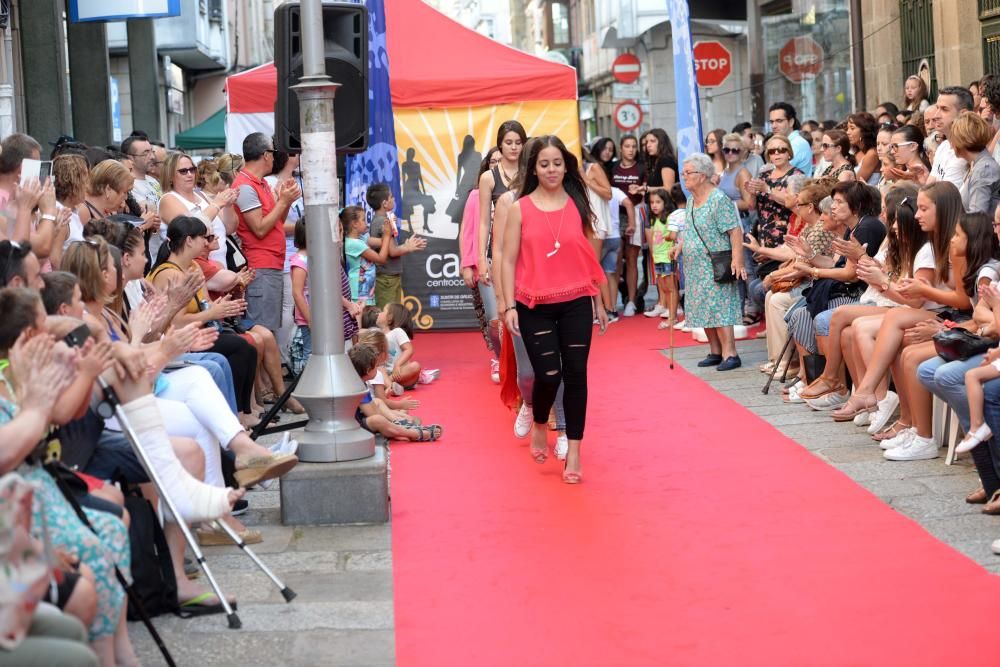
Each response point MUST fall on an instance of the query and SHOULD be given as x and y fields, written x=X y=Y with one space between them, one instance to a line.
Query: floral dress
x=772 y=217
x=708 y=303
x=99 y=552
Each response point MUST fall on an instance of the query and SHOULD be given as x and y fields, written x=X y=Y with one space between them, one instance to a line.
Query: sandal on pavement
x=200 y=606
x=977 y=497
x=798 y=386
x=260 y=468
x=993 y=506
x=891 y=432
x=821 y=386
x=855 y=405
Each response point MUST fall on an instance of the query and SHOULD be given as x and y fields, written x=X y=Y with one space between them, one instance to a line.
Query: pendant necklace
x=557 y=233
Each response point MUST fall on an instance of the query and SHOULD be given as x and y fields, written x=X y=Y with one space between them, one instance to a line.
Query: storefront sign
x=81 y=11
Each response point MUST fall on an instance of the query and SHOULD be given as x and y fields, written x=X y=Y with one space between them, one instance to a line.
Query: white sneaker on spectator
x=899 y=440
x=862 y=418
x=495 y=371
x=629 y=310
x=917 y=449
x=886 y=408
x=285 y=446
x=830 y=401
x=793 y=395
x=396 y=389
x=995 y=547
x=522 y=425
x=562 y=446
x=656 y=311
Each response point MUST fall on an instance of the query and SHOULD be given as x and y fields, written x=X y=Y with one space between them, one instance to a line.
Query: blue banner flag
x=380 y=163
x=689 y=135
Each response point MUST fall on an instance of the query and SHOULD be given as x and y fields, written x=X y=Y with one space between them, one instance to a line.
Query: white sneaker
x=917 y=449
x=831 y=401
x=522 y=425
x=899 y=440
x=886 y=409
x=995 y=547
x=396 y=389
x=862 y=418
x=285 y=446
x=679 y=326
x=973 y=438
x=685 y=328
x=495 y=371
x=656 y=311
x=426 y=377
x=562 y=446
x=629 y=310
x=793 y=395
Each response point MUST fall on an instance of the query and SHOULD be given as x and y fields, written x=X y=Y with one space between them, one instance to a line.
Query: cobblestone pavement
x=928 y=492
x=343 y=614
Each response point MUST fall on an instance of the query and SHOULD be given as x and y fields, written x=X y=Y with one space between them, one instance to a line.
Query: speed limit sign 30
x=628 y=116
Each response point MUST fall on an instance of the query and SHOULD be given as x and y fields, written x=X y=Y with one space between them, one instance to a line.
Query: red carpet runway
x=700 y=536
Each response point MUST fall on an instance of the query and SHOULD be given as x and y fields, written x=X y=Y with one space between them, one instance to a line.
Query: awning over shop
x=210 y=133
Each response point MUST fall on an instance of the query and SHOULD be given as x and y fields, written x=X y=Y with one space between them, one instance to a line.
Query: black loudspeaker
x=345 y=45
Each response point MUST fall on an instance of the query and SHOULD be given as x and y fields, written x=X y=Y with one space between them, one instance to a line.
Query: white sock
x=195 y=500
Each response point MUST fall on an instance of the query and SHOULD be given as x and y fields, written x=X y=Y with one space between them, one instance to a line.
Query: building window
x=559 y=36
x=916 y=30
x=989 y=14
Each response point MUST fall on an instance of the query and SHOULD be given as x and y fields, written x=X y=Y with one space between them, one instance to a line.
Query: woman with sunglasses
x=907 y=149
x=773 y=214
x=734 y=177
x=837 y=155
x=178 y=178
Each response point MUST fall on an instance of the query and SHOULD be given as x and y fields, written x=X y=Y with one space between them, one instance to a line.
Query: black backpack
x=153 y=580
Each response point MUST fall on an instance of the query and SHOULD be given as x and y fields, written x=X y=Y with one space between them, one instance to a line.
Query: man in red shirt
x=261 y=229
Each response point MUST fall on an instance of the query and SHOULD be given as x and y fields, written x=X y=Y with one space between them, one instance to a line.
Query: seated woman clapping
x=904 y=254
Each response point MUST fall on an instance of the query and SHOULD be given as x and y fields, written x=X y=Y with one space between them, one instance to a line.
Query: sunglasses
x=776 y=151
x=826 y=146
x=732 y=151
x=210 y=237
x=894 y=147
x=186 y=171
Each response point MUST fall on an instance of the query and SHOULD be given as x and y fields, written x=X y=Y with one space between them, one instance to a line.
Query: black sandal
x=429 y=433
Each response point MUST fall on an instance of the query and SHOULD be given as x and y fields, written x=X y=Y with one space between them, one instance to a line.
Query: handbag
x=235 y=259
x=957 y=344
x=722 y=260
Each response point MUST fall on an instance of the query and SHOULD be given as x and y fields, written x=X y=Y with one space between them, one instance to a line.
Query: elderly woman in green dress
x=712 y=224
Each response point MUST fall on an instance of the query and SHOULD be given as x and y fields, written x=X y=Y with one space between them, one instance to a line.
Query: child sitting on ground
x=401 y=368
x=365 y=359
x=660 y=239
x=377 y=339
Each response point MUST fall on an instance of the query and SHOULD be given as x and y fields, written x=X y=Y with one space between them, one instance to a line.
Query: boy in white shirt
x=611 y=245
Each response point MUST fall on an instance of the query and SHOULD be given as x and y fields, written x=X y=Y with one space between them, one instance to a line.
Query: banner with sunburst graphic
x=439 y=155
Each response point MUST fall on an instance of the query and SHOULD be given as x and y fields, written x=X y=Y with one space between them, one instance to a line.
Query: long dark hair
x=980 y=248
x=866 y=123
x=572 y=182
x=595 y=155
x=901 y=209
x=484 y=166
x=179 y=230
x=948 y=211
x=665 y=149
x=398 y=317
x=840 y=140
x=913 y=133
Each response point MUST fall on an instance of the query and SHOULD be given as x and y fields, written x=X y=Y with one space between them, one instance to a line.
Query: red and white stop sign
x=800 y=59
x=626 y=68
x=713 y=63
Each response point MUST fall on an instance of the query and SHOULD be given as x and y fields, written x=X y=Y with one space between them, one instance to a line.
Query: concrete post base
x=337 y=493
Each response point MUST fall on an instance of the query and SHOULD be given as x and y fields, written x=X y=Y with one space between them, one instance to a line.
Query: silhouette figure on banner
x=466 y=175
x=414 y=193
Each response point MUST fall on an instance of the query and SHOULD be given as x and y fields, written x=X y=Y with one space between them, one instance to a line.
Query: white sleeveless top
x=216 y=226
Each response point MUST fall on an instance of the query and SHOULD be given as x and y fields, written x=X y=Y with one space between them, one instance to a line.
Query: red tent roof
x=434 y=62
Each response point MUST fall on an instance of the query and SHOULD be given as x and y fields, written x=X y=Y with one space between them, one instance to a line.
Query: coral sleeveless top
x=551 y=273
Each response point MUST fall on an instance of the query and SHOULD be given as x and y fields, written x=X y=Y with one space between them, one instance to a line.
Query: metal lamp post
x=329 y=388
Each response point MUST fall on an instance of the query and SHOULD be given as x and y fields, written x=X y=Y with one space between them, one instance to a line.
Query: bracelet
x=509 y=308
x=48 y=216
x=815 y=273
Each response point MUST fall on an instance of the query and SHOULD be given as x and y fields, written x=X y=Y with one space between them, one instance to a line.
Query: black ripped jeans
x=557 y=337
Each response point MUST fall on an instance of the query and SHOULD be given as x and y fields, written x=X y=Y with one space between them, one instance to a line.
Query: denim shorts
x=663 y=269
x=609 y=254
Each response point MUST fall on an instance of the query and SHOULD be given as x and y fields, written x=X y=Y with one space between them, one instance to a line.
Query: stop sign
x=713 y=63
x=800 y=59
x=626 y=68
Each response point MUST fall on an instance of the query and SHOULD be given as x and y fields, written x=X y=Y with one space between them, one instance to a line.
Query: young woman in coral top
x=552 y=276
